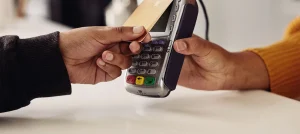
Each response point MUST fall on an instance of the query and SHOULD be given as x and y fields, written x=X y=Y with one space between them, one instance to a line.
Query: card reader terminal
x=155 y=71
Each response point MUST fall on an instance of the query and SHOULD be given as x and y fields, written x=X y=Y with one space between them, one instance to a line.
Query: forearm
x=283 y=64
x=31 y=68
x=274 y=68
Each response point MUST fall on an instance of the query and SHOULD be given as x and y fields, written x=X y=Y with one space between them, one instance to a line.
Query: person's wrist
x=62 y=42
x=62 y=46
x=65 y=46
x=249 y=71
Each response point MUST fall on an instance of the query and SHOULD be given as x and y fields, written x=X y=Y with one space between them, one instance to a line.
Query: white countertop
x=107 y=108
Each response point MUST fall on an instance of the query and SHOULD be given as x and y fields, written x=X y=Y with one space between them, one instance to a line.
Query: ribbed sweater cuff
x=283 y=64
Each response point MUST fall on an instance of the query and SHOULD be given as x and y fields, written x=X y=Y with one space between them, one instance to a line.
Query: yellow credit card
x=148 y=13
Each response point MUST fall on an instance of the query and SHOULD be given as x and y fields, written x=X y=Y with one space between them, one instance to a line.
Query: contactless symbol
x=140 y=92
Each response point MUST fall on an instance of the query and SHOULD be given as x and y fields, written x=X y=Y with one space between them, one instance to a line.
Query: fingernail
x=109 y=57
x=181 y=46
x=101 y=63
x=138 y=29
x=135 y=48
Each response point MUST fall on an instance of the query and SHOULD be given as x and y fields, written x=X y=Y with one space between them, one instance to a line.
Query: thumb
x=193 y=46
x=110 y=35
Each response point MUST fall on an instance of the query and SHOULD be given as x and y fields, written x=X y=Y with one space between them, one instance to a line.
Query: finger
x=124 y=48
x=193 y=46
x=112 y=71
x=147 y=38
x=115 y=48
x=135 y=47
x=130 y=49
x=117 y=59
x=109 y=35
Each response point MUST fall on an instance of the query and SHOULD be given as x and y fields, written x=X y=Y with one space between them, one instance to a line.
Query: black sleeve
x=31 y=68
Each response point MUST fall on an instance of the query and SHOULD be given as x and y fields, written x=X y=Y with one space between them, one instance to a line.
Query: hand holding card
x=147 y=14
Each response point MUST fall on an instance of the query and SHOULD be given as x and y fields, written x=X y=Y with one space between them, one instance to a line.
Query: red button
x=131 y=79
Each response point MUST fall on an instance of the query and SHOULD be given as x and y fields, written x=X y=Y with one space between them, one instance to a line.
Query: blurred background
x=235 y=24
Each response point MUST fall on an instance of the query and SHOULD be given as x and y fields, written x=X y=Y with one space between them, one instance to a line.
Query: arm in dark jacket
x=29 y=69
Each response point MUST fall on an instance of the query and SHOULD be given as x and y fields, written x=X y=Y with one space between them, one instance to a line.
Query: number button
x=155 y=56
x=135 y=63
x=143 y=64
x=136 y=56
x=158 y=49
x=147 y=49
x=132 y=70
x=151 y=71
x=153 y=64
x=145 y=56
x=141 y=71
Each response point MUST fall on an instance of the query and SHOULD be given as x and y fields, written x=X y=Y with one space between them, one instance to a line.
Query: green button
x=150 y=81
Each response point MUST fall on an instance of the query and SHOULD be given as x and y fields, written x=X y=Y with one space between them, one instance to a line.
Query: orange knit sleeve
x=282 y=60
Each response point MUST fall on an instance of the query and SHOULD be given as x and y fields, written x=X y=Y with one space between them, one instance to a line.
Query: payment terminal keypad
x=146 y=66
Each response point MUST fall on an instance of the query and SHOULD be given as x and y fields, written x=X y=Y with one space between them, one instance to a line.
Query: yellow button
x=140 y=80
